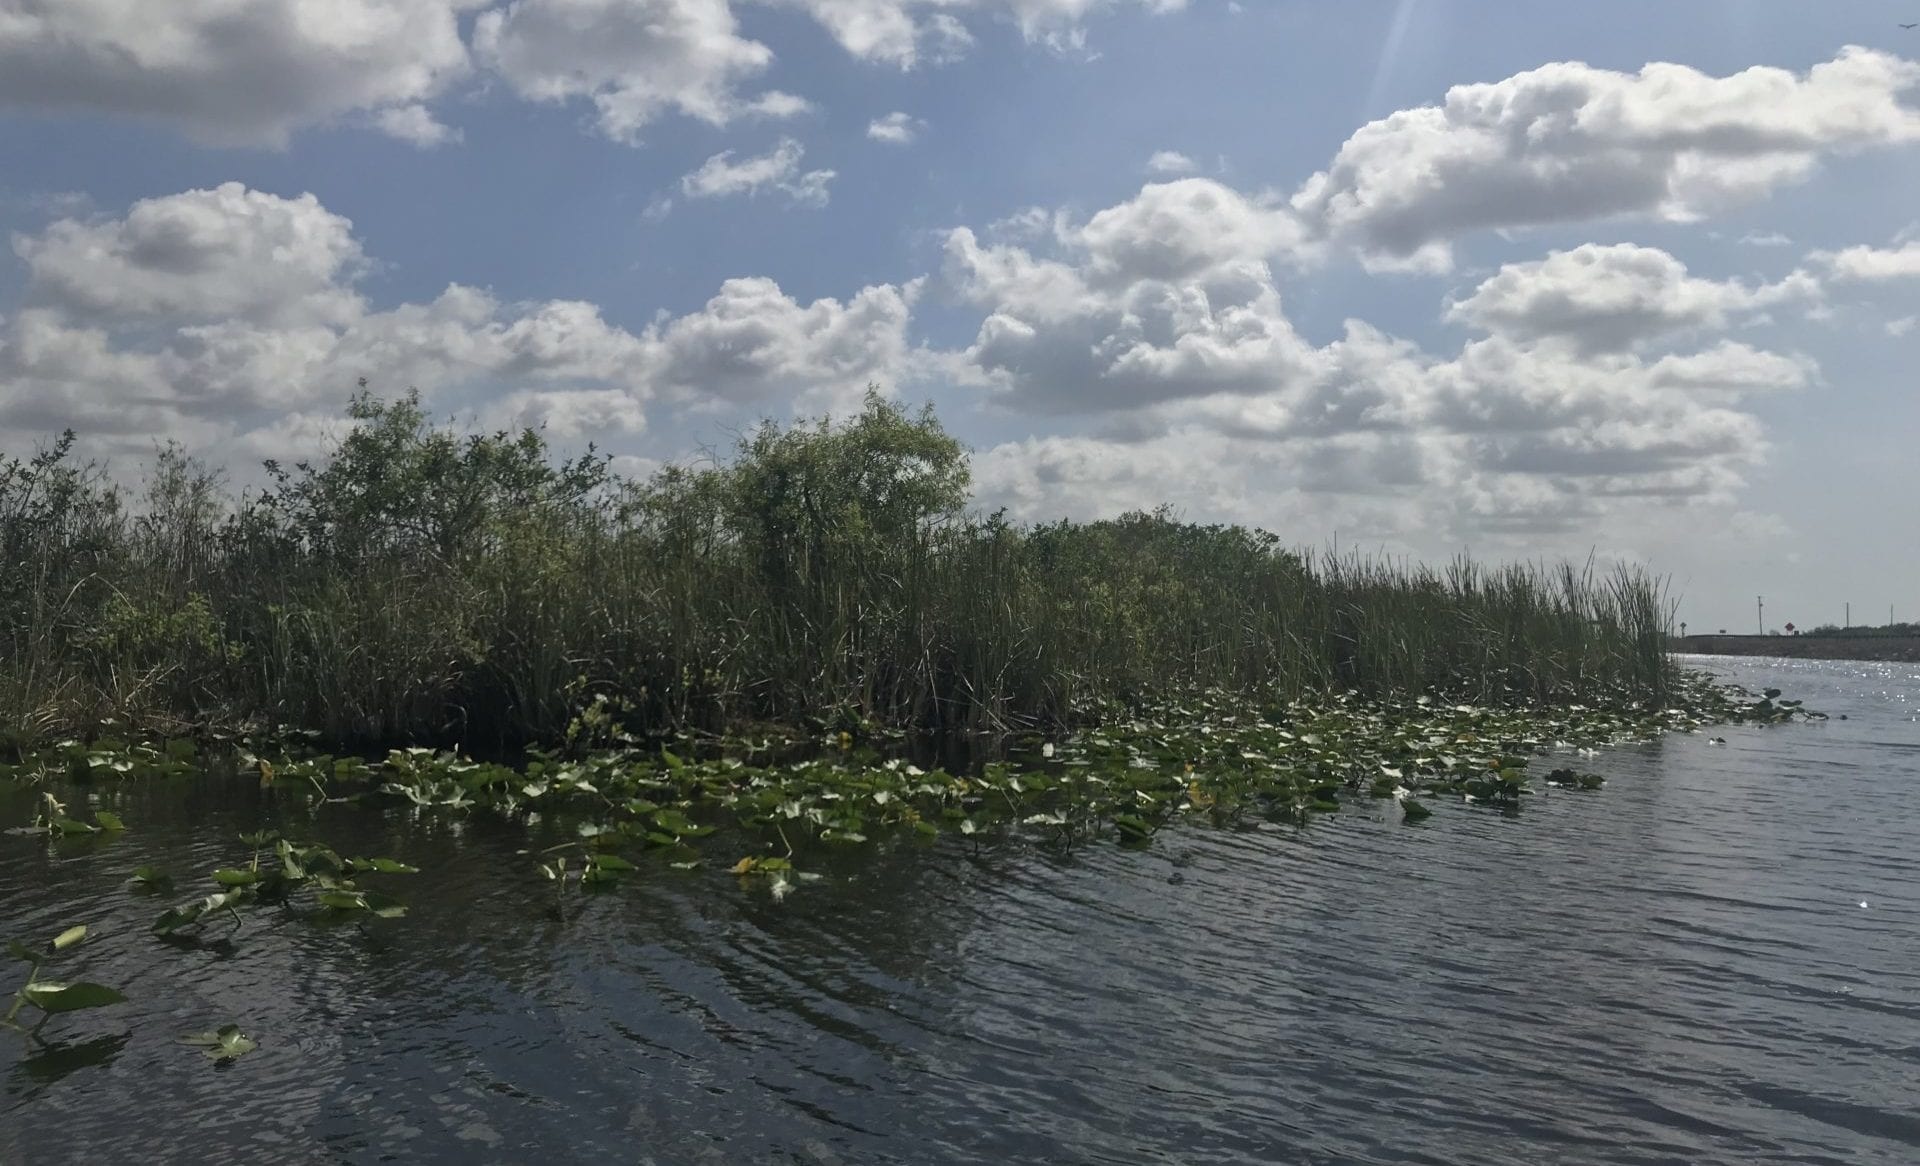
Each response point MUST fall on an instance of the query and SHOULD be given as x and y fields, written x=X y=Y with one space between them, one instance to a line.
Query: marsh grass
x=423 y=585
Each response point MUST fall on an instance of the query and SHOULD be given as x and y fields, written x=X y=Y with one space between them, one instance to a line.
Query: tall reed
x=426 y=585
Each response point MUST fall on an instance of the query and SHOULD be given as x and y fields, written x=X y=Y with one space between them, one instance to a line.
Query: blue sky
x=1531 y=280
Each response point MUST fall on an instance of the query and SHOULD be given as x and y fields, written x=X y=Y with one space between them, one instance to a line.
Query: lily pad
x=227 y=1043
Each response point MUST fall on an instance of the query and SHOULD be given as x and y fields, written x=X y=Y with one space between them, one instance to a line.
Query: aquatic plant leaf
x=177 y=917
x=611 y=862
x=150 y=878
x=22 y=952
x=1414 y=811
x=383 y=906
x=386 y=866
x=236 y=878
x=109 y=821
x=49 y=996
x=69 y=937
x=224 y=1044
x=72 y=826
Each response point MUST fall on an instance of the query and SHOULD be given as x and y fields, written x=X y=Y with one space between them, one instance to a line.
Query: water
x=1711 y=961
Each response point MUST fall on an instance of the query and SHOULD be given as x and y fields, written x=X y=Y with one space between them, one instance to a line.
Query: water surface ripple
x=1713 y=960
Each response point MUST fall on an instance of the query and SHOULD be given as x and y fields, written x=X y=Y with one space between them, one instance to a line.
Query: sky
x=1637 y=282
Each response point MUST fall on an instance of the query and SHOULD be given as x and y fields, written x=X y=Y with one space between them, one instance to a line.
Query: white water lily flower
x=1401 y=793
x=779 y=887
x=1047 y=749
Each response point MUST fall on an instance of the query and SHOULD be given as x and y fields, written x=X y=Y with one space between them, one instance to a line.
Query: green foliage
x=282 y=873
x=227 y=1043
x=52 y=997
x=426 y=585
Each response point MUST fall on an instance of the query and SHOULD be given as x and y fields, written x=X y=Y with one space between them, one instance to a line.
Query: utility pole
x=1849 y=622
x=1760 y=612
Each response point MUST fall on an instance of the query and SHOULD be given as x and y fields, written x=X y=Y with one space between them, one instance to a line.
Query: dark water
x=1714 y=960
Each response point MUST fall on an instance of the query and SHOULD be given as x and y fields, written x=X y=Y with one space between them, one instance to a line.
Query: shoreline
x=1898 y=649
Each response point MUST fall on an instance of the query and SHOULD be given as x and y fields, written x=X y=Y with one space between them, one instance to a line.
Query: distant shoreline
x=1897 y=648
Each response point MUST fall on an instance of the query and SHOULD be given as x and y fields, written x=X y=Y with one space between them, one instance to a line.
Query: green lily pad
x=226 y=1043
x=49 y=996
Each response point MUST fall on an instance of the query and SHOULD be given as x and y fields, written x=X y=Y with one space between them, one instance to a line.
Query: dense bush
x=421 y=584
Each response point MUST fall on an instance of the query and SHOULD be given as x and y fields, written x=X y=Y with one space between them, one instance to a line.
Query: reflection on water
x=1712 y=960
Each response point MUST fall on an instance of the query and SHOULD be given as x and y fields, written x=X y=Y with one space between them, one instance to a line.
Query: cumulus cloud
x=1165 y=295
x=231 y=315
x=751 y=341
x=910 y=32
x=1570 y=143
x=567 y=413
x=634 y=59
x=251 y=72
x=1613 y=298
x=895 y=129
x=225 y=253
x=1872 y=264
x=1170 y=162
x=415 y=124
x=1162 y=318
x=721 y=176
x=227 y=73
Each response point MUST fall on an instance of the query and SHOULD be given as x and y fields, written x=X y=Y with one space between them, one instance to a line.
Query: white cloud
x=1181 y=229
x=1766 y=239
x=895 y=129
x=1171 y=162
x=1571 y=143
x=415 y=124
x=1161 y=317
x=1612 y=298
x=634 y=59
x=1733 y=367
x=226 y=253
x=1903 y=326
x=251 y=72
x=779 y=169
x=218 y=315
x=751 y=341
x=229 y=73
x=910 y=32
x=571 y=414
x=1872 y=264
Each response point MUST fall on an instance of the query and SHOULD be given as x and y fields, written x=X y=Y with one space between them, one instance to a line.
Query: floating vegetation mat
x=775 y=799
x=767 y=808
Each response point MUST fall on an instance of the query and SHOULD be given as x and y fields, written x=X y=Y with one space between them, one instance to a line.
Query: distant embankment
x=1805 y=647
